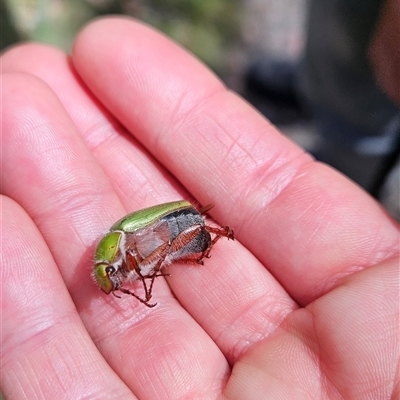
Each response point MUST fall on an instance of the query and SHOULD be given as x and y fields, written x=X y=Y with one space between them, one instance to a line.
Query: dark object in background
x=270 y=85
x=9 y=34
x=358 y=125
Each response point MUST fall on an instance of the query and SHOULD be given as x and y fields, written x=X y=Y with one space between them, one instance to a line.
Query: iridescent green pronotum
x=141 y=243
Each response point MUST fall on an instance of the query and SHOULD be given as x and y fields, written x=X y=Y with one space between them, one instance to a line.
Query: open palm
x=304 y=304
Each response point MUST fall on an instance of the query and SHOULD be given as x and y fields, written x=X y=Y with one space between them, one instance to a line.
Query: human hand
x=304 y=304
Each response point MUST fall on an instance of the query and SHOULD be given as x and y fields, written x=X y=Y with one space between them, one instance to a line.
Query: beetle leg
x=206 y=209
x=219 y=232
x=153 y=263
x=133 y=263
x=185 y=237
x=155 y=275
x=224 y=231
x=144 y=301
x=146 y=291
x=152 y=277
x=151 y=285
x=193 y=233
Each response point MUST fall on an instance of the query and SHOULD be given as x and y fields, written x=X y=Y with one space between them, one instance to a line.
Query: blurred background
x=307 y=65
x=222 y=33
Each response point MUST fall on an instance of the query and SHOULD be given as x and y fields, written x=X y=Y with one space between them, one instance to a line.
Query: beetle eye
x=110 y=270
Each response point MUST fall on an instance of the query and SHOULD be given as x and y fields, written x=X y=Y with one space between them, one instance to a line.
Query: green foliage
x=208 y=28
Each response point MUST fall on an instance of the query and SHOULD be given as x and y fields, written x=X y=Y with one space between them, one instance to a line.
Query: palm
x=303 y=305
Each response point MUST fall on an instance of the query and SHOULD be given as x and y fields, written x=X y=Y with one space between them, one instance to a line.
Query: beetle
x=138 y=245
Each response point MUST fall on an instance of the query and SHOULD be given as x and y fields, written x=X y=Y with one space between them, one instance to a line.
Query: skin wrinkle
x=396 y=383
x=125 y=315
x=319 y=205
x=313 y=344
x=175 y=362
x=265 y=303
x=275 y=377
x=28 y=257
x=227 y=158
x=235 y=142
x=261 y=192
x=100 y=132
x=72 y=199
x=188 y=118
x=136 y=82
x=127 y=170
x=73 y=202
x=120 y=188
x=247 y=153
x=179 y=113
x=379 y=256
x=236 y=154
x=43 y=328
x=283 y=177
x=303 y=374
x=17 y=379
x=57 y=362
x=306 y=210
x=78 y=235
x=347 y=285
x=141 y=175
x=201 y=109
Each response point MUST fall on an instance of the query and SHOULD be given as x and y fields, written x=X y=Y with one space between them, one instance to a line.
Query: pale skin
x=304 y=304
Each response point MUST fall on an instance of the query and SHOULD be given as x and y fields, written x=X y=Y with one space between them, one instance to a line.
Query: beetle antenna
x=206 y=209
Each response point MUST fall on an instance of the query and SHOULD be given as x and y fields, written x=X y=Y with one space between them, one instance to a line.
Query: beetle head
x=108 y=276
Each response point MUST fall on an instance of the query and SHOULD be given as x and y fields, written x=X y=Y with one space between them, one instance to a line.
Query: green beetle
x=141 y=243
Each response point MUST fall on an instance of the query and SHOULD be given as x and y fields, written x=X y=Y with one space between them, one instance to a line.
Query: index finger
x=307 y=223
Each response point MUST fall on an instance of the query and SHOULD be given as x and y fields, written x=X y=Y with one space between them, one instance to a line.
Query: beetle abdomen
x=180 y=220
